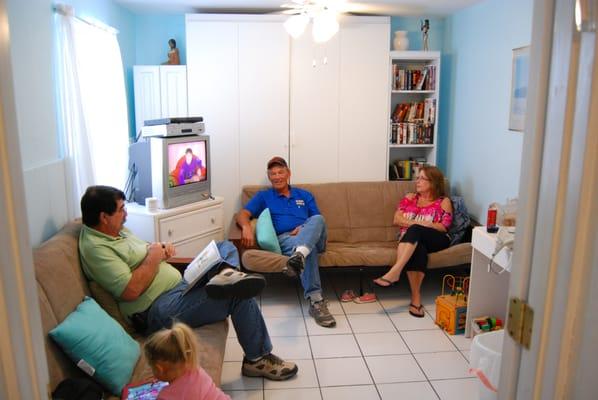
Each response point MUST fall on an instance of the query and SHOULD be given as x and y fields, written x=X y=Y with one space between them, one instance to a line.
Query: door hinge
x=521 y=319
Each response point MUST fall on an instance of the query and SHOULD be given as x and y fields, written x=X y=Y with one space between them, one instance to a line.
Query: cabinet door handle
x=213 y=220
x=170 y=232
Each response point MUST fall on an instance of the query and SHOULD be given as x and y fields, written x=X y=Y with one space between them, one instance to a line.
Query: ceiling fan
x=324 y=14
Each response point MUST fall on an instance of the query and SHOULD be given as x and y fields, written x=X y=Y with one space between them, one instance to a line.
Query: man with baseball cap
x=301 y=232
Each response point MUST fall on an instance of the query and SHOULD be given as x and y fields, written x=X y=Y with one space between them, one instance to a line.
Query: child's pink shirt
x=193 y=385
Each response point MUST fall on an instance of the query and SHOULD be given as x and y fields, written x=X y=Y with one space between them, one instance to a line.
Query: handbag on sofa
x=461 y=220
x=77 y=389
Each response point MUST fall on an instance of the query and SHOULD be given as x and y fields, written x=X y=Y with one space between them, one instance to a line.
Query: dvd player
x=174 y=120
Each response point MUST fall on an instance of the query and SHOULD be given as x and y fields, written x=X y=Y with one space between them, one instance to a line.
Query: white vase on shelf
x=400 y=41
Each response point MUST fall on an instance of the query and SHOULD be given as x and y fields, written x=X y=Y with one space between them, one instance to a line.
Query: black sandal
x=418 y=308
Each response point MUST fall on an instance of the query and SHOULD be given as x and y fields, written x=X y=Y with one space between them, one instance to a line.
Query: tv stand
x=189 y=227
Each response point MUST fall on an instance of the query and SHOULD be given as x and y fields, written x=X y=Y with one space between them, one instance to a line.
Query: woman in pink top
x=424 y=218
x=172 y=355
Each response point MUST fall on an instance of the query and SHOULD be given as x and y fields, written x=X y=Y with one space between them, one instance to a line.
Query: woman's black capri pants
x=428 y=240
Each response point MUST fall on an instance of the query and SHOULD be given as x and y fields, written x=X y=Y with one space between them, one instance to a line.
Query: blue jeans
x=196 y=309
x=313 y=236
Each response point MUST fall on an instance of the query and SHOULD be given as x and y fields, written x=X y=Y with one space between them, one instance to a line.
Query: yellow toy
x=451 y=309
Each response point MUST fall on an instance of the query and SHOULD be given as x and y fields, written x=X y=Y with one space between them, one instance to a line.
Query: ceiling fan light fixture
x=295 y=25
x=325 y=26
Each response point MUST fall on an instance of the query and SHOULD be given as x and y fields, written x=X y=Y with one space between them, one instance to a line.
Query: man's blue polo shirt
x=287 y=212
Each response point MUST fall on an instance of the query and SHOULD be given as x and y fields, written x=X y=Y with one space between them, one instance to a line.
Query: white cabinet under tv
x=189 y=227
x=160 y=92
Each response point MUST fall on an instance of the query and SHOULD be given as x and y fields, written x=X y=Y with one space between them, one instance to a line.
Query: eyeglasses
x=421 y=178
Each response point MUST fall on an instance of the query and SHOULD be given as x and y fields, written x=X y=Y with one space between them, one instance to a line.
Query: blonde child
x=172 y=355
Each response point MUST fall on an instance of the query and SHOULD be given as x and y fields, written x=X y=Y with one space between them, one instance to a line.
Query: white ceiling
x=366 y=7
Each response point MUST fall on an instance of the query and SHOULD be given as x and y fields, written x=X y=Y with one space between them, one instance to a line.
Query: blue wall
x=483 y=156
x=152 y=33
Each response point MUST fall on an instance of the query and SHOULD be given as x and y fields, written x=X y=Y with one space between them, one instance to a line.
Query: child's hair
x=177 y=344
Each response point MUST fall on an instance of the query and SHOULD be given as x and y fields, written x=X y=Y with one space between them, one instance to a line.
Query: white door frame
x=23 y=367
x=556 y=254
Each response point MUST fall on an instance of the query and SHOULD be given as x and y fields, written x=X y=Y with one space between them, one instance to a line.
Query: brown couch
x=61 y=286
x=359 y=218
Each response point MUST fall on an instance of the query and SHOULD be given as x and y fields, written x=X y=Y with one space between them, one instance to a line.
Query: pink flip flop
x=348 y=296
x=365 y=298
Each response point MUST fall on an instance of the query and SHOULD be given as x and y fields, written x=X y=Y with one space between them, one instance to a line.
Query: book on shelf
x=406 y=169
x=423 y=78
x=412 y=133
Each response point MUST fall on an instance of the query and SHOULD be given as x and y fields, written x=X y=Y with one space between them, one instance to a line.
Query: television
x=175 y=170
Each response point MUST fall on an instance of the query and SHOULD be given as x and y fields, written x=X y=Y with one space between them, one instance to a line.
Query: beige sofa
x=61 y=287
x=359 y=218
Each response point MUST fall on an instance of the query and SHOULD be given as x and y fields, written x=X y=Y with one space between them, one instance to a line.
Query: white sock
x=303 y=250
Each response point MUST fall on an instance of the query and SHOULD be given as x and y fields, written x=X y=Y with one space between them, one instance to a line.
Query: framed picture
x=519 y=82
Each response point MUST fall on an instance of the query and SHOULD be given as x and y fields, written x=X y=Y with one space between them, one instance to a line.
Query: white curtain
x=92 y=106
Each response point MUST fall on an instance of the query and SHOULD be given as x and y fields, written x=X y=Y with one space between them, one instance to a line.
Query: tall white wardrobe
x=324 y=107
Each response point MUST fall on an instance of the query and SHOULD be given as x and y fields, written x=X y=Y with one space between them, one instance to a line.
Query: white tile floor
x=376 y=351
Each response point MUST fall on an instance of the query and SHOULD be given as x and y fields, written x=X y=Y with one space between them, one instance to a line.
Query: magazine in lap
x=205 y=261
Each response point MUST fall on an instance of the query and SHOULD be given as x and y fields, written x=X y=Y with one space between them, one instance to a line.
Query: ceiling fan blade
x=291 y=5
x=291 y=12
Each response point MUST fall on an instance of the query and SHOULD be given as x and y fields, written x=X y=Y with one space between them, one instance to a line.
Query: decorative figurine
x=173 y=54
x=425 y=27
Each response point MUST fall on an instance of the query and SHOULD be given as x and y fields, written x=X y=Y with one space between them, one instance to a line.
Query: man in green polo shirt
x=152 y=293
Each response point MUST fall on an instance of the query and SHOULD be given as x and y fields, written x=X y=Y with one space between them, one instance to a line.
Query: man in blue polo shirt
x=301 y=232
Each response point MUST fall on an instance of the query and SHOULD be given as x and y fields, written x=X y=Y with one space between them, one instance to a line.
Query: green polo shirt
x=110 y=261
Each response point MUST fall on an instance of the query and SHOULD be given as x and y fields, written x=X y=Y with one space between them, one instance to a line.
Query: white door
x=213 y=91
x=556 y=251
x=146 y=81
x=173 y=91
x=314 y=110
x=363 y=88
x=263 y=98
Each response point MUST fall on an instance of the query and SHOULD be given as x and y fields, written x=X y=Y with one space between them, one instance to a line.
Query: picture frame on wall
x=519 y=84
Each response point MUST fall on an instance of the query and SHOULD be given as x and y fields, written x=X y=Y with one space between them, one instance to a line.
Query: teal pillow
x=98 y=345
x=265 y=233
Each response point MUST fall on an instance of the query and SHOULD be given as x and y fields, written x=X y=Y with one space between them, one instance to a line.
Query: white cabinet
x=160 y=92
x=238 y=80
x=189 y=227
x=413 y=133
x=339 y=92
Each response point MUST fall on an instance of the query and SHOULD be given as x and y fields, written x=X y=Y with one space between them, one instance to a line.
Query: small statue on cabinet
x=425 y=27
x=173 y=54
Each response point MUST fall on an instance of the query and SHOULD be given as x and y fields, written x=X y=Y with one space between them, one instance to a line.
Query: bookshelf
x=413 y=112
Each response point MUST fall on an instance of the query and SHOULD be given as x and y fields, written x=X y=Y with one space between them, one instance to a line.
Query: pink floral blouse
x=431 y=213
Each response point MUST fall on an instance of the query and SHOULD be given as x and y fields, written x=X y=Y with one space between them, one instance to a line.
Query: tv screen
x=187 y=163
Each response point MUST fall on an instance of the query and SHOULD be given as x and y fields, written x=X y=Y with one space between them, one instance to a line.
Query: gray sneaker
x=319 y=310
x=270 y=367
x=231 y=283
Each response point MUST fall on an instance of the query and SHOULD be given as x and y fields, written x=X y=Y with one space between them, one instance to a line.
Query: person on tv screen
x=188 y=169
x=300 y=230
x=150 y=292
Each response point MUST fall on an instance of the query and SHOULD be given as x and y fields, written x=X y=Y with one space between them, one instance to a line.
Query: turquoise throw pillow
x=98 y=345
x=266 y=235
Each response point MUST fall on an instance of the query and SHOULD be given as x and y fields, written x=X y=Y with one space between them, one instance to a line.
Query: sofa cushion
x=265 y=233
x=370 y=254
x=98 y=345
